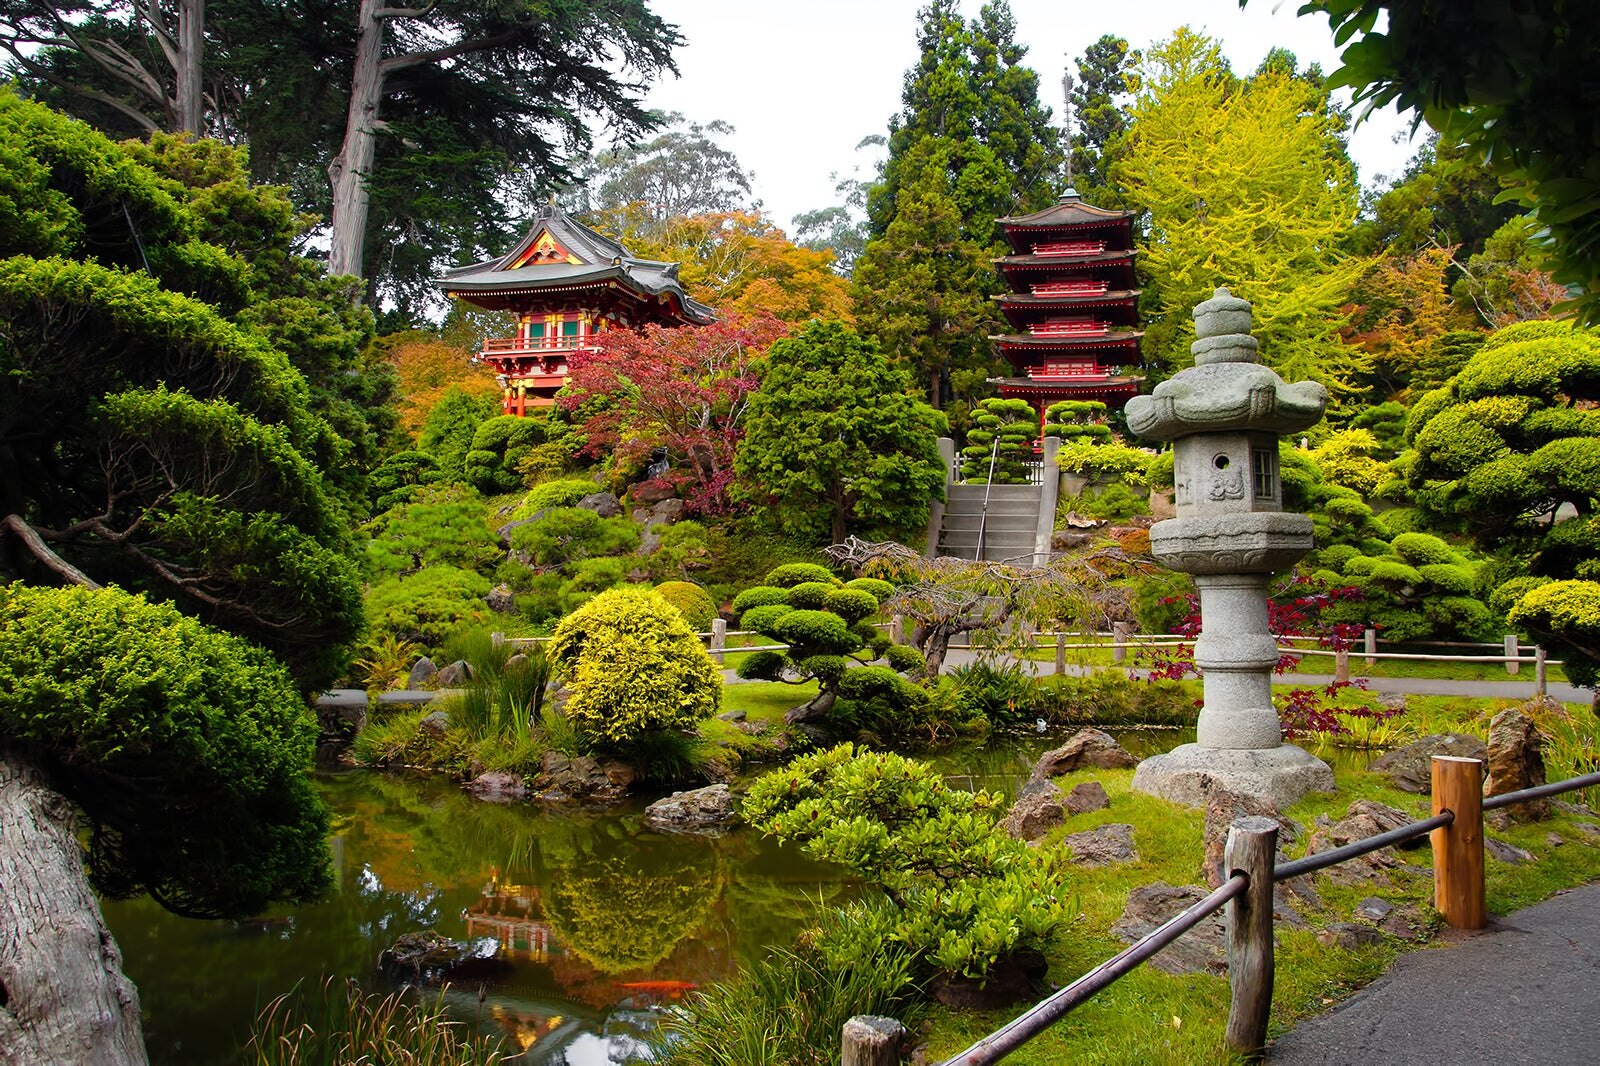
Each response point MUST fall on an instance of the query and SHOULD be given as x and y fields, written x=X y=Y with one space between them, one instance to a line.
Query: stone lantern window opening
x=1265 y=462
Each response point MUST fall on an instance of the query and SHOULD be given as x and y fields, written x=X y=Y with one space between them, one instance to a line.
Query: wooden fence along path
x=1456 y=829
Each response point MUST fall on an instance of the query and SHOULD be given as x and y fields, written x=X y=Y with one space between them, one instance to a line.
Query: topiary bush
x=498 y=448
x=1015 y=424
x=562 y=535
x=961 y=895
x=692 y=601
x=633 y=667
x=554 y=494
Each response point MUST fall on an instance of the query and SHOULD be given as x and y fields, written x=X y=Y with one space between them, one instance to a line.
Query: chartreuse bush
x=824 y=623
x=554 y=494
x=633 y=667
x=960 y=894
x=186 y=750
x=692 y=601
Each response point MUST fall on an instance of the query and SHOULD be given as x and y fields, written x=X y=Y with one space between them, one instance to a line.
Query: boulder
x=1087 y=747
x=1410 y=768
x=732 y=716
x=422 y=675
x=582 y=779
x=1104 y=845
x=454 y=675
x=604 y=504
x=1349 y=935
x=505 y=531
x=497 y=787
x=500 y=599
x=1386 y=818
x=1373 y=909
x=1509 y=854
x=708 y=811
x=651 y=492
x=1363 y=819
x=666 y=512
x=436 y=724
x=1222 y=808
x=428 y=957
x=1202 y=949
x=1012 y=978
x=1516 y=760
x=1038 y=810
x=342 y=711
x=1087 y=796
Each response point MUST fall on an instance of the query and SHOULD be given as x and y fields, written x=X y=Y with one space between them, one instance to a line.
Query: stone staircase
x=1008 y=532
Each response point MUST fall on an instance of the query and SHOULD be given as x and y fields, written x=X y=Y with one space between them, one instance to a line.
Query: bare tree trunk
x=63 y=998
x=190 y=95
x=348 y=171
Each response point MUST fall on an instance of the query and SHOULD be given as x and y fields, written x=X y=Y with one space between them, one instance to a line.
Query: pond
x=600 y=921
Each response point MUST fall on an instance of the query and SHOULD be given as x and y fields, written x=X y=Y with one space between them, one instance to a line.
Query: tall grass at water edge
x=338 y=1024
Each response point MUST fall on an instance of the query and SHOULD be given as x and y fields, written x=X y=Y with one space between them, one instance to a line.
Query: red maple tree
x=682 y=388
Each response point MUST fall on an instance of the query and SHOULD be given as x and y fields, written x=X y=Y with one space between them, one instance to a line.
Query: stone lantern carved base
x=1283 y=775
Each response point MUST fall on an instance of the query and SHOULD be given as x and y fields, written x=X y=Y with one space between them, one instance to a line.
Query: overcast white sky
x=802 y=81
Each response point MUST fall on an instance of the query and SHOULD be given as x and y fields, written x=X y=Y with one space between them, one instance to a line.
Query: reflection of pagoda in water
x=513 y=915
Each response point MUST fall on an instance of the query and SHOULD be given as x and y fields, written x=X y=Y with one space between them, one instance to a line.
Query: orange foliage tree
x=426 y=369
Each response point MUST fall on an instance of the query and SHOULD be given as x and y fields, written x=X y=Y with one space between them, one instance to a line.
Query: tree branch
x=41 y=551
x=138 y=117
x=404 y=12
x=417 y=59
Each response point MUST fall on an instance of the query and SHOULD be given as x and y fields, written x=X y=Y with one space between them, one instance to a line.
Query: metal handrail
x=983 y=515
x=1047 y=1012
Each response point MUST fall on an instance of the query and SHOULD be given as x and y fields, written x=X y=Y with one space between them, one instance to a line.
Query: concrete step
x=995 y=492
x=1020 y=522
x=963 y=543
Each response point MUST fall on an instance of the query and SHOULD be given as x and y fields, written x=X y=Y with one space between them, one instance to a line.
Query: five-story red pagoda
x=1072 y=305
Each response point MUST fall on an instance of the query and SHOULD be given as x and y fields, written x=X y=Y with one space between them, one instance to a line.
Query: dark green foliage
x=789 y=575
x=448 y=431
x=962 y=894
x=157 y=440
x=563 y=535
x=186 y=749
x=759 y=596
x=429 y=605
x=852 y=605
x=443 y=525
x=398 y=478
x=809 y=595
x=764 y=619
x=814 y=632
x=834 y=443
x=1014 y=425
x=497 y=450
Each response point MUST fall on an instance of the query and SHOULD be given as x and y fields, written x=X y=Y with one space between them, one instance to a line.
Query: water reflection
x=586 y=923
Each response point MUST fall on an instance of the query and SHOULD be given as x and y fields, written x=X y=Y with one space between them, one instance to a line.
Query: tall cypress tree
x=972 y=143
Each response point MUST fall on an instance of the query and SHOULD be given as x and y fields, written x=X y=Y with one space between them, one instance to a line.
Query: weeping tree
x=946 y=597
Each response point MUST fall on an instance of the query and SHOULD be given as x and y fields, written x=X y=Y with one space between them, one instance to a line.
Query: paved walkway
x=1526 y=990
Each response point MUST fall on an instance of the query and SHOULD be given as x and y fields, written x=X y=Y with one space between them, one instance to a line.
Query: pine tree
x=971 y=144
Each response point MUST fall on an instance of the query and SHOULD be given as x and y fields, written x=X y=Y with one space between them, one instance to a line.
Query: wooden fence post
x=719 y=638
x=1341 y=664
x=1119 y=642
x=1458 y=847
x=1512 y=666
x=1252 y=849
x=1369 y=642
x=1540 y=672
x=496 y=639
x=897 y=628
x=871 y=1040
x=1061 y=652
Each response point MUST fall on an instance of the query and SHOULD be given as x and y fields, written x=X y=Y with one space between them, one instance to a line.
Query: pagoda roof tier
x=1029 y=261
x=1066 y=301
x=1114 y=339
x=560 y=257
x=1069 y=210
x=1078 y=385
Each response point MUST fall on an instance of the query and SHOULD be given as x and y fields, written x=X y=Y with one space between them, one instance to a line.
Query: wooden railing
x=1456 y=831
x=500 y=346
x=1065 y=248
x=1070 y=288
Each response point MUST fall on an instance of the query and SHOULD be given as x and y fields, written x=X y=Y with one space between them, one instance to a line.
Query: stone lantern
x=1224 y=416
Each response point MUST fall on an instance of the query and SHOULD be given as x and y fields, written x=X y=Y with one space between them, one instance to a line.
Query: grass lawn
x=1150 y=1017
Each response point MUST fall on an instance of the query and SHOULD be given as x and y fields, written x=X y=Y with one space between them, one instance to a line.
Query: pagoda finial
x=1069 y=195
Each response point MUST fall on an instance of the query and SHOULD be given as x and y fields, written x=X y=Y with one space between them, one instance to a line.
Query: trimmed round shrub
x=1336 y=555
x=1400 y=520
x=762 y=618
x=1394 y=572
x=903 y=658
x=692 y=601
x=759 y=596
x=633 y=667
x=817 y=630
x=1422 y=549
x=880 y=590
x=851 y=604
x=824 y=667
x=1451 y=577
x=810 y=595
x=554 y=494
x=791 y=574
x=1360 y=565
x=762 y=666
